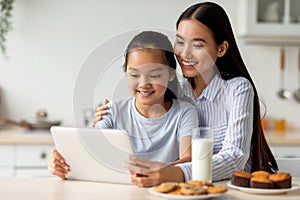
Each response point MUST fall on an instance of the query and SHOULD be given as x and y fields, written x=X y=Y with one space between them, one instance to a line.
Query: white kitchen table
x=52 y=188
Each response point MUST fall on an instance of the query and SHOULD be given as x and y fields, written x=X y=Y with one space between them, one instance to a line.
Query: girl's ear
x=172 y=75
x=222 y=49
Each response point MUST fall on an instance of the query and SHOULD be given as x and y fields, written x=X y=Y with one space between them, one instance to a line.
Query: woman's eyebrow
x=179 y=36
x=199 y=39
x=193 y=39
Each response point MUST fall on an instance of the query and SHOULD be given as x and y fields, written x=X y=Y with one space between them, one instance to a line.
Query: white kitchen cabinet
x=269 y=21
x=24 y=160
x=6 y=171
x=287 y=157
x=32 y=155
x=32 y=172
x=286 y=151
x=24 y=152
x=6 y=155
x=6 y=160
x=31 y=160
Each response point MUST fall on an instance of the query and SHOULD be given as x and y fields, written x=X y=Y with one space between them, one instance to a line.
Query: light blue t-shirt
x=155 y=139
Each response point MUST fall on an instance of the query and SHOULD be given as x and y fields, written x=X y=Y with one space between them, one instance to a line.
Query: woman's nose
x=186 y=52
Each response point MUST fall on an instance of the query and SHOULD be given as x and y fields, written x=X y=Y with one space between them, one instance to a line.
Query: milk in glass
x=202 y=150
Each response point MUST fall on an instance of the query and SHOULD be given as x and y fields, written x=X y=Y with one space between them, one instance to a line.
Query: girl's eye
x=155 y=76
x=134 y=75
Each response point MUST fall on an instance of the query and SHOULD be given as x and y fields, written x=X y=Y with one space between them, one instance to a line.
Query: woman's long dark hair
x=156 y=41
x=231 y=65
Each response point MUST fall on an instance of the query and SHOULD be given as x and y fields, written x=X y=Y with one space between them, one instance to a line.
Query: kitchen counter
x=18 y=135
x=283 y=138
x=54 y=189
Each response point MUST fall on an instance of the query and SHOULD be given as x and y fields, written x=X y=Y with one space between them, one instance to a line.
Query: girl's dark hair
x=156 y=41
x=230 y=66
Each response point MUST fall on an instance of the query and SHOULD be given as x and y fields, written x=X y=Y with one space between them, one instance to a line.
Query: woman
x=218 y=82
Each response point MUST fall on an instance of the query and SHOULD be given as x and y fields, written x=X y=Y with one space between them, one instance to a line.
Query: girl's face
x=195 y=48
x=148 y=75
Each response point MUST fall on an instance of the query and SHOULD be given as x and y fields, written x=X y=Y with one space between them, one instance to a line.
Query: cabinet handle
x=289 y=156
x=43 y=155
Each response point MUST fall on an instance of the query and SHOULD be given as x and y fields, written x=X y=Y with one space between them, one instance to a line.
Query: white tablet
x=94 y=154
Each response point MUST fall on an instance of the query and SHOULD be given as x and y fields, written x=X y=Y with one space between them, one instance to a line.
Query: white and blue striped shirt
x=227 y=106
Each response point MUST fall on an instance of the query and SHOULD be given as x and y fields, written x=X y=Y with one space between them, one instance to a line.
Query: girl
x=153 y=117
x=226 y=98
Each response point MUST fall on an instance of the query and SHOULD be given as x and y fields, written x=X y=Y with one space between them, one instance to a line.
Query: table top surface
x=53 y=188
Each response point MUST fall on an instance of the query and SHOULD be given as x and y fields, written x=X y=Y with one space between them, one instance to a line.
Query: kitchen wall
x=53 y=65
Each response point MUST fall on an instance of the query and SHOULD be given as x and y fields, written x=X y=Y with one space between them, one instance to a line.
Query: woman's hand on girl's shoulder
x=101 y=111
x=57 y=165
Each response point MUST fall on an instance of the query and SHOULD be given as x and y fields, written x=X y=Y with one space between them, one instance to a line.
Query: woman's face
x=148 y=75
x=195 y=48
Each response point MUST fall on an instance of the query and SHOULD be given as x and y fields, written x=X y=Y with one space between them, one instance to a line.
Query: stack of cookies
x=262 y=179
x=190 y=188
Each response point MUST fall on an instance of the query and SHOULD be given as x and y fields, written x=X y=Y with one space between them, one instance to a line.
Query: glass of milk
x=202 y=150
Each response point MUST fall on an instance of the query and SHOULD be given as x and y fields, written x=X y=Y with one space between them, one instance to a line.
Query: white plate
x=174 y=196
x=263 y=191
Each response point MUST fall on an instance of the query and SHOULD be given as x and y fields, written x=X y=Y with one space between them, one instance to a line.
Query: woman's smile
x=188 y=64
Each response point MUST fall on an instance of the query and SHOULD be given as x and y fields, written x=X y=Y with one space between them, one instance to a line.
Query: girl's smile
x=145 y=93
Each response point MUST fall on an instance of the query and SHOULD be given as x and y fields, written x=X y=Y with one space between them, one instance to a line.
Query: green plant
x=6 y=7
